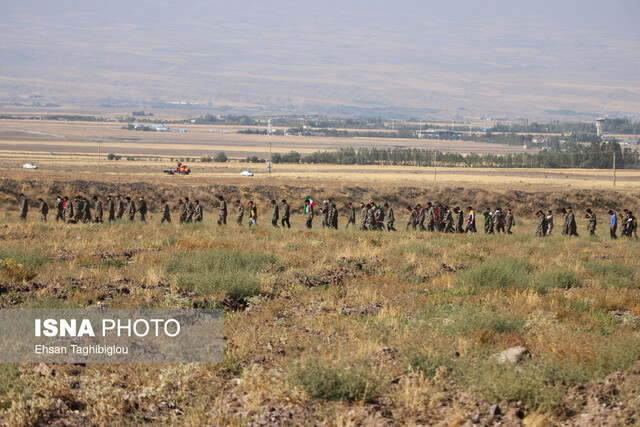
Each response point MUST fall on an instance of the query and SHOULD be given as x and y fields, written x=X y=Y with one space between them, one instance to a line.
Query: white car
x=246 y=173
x=29 y=166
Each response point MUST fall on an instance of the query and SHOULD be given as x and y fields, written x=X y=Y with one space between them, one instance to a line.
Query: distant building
x=600 y=127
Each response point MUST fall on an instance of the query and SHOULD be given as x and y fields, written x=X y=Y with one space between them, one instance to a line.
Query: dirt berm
x=523 y=202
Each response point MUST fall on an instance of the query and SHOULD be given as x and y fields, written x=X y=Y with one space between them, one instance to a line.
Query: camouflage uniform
x=98 y=211
x=509 y=221
x=334 y=216
x=68 y=211
x=240 y=214
x=197 y=212
x=309 y=221
x=352 y=216
x=593 y=222
x=448 y=222
x=431 y=218
x=498 y=221
x=571 y=224
x=363 y=217
x=541 y=230
x=420 y=219
x=413 y=219
x=59 y=209
x=131 y=210
x=86 y=216
x=190 y=211
x=119 y=208
x=325 y=214
x=79 y=210
x=391 y=219
x=111 y=210
x=222 y=216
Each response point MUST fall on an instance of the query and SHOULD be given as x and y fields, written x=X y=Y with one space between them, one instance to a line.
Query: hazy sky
x=498 y=57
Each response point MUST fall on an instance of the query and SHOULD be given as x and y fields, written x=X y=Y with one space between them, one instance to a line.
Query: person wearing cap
x=351 y=219
x=97 y=210
x=613 y=224
x=592 y=222
x=142 y=209
x=165 y=214
x=111 y=209
x=286 y=214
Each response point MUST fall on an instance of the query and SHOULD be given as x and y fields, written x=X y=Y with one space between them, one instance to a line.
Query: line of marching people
x=626 y=222
x=373 y=216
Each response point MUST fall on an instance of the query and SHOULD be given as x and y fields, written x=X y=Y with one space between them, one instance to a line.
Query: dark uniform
x=182 y=212
x=275 y=214
x=240 y=214
x=142 y=209
x=165 y=213
x=98 y=211
x=119 y=207
x=59 y=209
x=222 y=216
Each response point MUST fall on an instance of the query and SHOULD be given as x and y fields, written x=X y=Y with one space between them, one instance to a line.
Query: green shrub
x=610 y=274
x=556 y=278
x=429 y=363
x=497 y=273
x=452 y=320
x=233 y=273
x=355 y=381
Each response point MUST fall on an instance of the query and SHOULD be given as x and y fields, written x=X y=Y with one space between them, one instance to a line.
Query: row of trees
x=595 y=156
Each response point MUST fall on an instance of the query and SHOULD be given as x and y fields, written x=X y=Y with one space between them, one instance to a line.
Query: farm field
x=334 y=327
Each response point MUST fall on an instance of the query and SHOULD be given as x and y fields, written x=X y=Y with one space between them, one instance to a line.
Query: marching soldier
x=119 y=207
x=364 y=211
x=571 y=223
x=352 y=215
x=142 y=210
x=498 y=221
x=391 y=219
x=565 y=222
x=43 y=209
x=420 y=218
x=190 y=210
x=413 y=215
x=86 y=216
x=448 y=220
x=592 y=222
x=222 y=216
x=430 y=217
x=68 y=210
x=333 y=216
x=459 y=220
x=98 y=209
x=131 y=208
x=286 y=213
x=471 y=221
x=275 y=213
x=165 y=212
x=239 y=212
x=541 y=230
x=549 y=219
x=325 y=214
x=509 y=221
x=308 y=210
x=111 y=209
x=59 y=208
x=197 y=211
x=79 y=209
x=24 y=206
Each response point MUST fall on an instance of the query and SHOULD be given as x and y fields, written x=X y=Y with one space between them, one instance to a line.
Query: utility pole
x=614 y=168
x=435 y=170
x=269 y=164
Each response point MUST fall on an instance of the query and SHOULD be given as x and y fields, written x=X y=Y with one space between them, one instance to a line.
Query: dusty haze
x=465 y=59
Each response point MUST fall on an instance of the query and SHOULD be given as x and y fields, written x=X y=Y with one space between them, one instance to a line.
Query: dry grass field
x=333 y=327
x=328 y=327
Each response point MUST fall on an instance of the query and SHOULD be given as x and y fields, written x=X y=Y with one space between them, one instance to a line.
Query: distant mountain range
x=350 y=58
